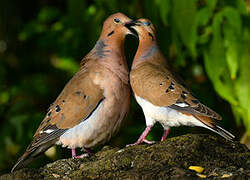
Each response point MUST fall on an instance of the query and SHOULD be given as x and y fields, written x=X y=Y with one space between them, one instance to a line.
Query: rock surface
x=170 y=159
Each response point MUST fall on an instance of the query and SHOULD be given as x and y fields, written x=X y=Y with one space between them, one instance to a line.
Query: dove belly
x=94 y=131
x=166 y=116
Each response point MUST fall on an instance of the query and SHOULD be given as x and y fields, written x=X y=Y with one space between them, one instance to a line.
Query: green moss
x=169 y=159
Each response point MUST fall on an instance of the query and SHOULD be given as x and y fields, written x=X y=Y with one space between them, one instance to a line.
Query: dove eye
x=147 y=23
x=116 y=20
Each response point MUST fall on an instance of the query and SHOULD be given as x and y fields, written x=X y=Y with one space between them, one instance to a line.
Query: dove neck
x=112 y=56
x=148 y=51
x=106 y=47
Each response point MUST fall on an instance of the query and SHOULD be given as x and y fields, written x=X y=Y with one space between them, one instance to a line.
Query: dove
x=160 y=94
x=93 y=104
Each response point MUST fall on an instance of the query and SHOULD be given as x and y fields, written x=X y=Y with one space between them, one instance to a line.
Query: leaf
x=164 y=8
x=185 y=21
x=232 y=31
x=242 y=7
x=203 y=16
x=243 y=83
x=216 y=65
x=211 y=4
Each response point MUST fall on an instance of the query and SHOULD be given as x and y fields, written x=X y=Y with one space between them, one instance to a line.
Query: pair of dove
x=93 y=104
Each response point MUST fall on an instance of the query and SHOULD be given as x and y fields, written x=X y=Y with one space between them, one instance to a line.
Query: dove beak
x=130 y=25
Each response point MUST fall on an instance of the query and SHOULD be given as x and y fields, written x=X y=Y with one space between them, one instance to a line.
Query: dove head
x=148 y=49
x=115 y=26
x=145 y=29
x=109 y=48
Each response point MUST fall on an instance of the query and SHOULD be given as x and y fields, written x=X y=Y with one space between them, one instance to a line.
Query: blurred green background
x=207 y=42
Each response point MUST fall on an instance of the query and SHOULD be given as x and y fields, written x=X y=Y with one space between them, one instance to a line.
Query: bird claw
x=84 y=155
x=129 y=145
x=165 y=134
x=148 y=142
x=143 y=136
x=139 y=142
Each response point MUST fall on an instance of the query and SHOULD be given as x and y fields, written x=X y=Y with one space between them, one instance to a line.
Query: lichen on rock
x=165 y=160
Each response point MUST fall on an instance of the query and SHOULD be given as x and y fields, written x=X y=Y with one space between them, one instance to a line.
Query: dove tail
x=219 y=130
x=210 y=124
x=30 y=154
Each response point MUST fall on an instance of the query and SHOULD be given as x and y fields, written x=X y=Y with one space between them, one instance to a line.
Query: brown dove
x=93 y=104
x=161 y=96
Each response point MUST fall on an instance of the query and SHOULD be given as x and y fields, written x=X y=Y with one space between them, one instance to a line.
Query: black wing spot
x=184 y=92
x=171 y=87
x=85 y=97
x=112 y=32
x=58 y=108
x=183 y=96
x=195 y=101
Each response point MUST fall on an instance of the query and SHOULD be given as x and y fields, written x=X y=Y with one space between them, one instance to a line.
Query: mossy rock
x=170 y=159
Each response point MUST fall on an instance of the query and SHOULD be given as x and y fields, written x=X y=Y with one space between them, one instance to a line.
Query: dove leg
x=143 y=136
x=165 y=134
x=73 y=151
x=89 y=152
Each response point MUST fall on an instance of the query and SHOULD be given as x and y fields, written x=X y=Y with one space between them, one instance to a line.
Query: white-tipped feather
x=181 y=104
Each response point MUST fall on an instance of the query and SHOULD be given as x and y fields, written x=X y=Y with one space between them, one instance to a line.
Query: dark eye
x=116 y=20
x=147 y=23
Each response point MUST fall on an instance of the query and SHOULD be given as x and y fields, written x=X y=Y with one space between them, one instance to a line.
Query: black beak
x=130 y=25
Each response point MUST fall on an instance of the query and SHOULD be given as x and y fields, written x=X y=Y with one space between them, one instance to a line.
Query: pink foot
x=142 y=138
x=165 y=134
x=89 y=152
x=148 y=142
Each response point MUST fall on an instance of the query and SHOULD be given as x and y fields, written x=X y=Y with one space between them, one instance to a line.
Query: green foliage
x=184 y=22
x=224 y=60
x=219 y=33
x=42 y=44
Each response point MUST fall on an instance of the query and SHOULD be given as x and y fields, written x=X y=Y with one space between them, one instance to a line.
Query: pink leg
x=89 y=152
x=143 y=136
x=73 y=151
x=165 y=134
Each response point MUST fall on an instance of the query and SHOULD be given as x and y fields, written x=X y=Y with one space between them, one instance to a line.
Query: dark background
x=42 y=42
